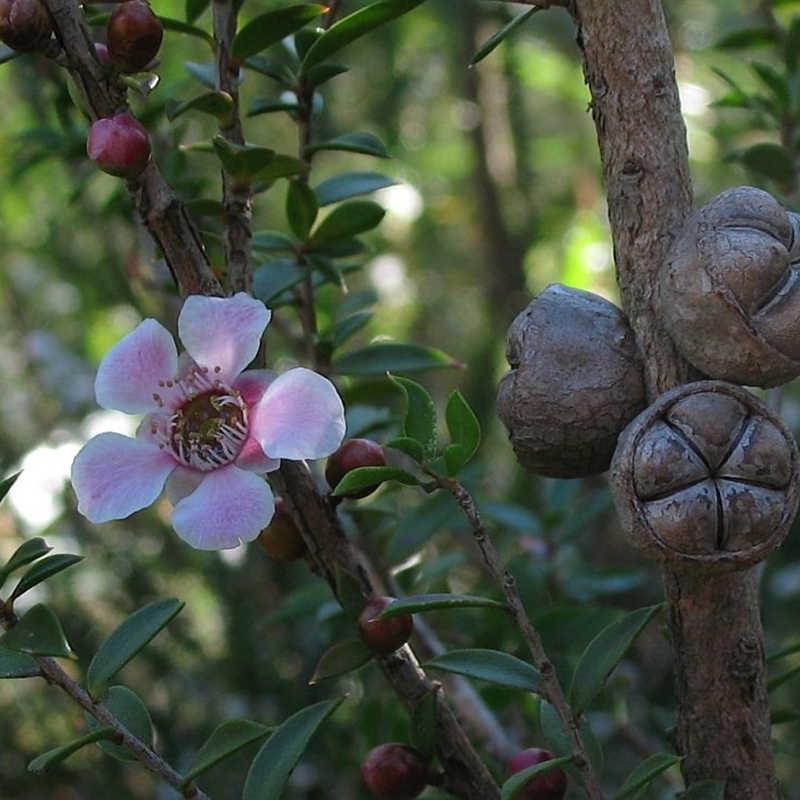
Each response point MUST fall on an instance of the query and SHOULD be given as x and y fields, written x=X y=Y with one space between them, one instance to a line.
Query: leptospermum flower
x=210 y=430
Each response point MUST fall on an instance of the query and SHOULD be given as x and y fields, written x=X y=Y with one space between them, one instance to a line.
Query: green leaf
x=272 y=242
x=768 y=159
x=349 y=593
x=493 y=41
x=179 y=26
x=217 y=104
x=46 y=760
x=419 y=421
x=353 y=27
x=378 y=359
x=44 y=569
x=43 y=762
x=558 y=739
x=493 y=666
x=755 y=36
x=341 y=330
x=644 y=774
x=705 y=790
x=272 y=766
x=343 y=657
x=438 y=601
x=194 y=8
x=301 y=208
x=7 y=483
x=280 y=166
x=131 y=636
x=269 y=28
x=241 y=161
x=17 y=665
x=275 y=277
x=464 y=430
x=348 y=219
x=512 y=786
x=365 y=477
x=26 y=553
x=603 y=653
x=129 y=709
x=38 y=633
x=225 y=740
x=405 y=444
x=778 y=680
x=422 y=725
x=350 y=184
x=364 y=143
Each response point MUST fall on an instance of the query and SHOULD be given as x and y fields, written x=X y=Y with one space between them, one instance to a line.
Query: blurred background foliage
x=498 y=193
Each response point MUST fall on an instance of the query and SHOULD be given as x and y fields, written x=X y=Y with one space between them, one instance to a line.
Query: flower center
x=209 y=428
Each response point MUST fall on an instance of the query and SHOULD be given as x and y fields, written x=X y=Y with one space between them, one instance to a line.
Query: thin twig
x=552 y=692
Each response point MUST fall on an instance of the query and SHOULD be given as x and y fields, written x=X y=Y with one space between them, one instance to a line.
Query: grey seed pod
x=729 y=291
x=707 y=474
x=575 y=382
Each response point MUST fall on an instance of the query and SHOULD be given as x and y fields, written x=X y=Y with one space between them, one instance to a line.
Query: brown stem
x=236 y=200
x=630 y=71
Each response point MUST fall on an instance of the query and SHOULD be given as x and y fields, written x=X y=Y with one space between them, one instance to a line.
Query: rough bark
x=722 y=718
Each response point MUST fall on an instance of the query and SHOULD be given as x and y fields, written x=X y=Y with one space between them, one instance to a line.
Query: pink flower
x=210 y=430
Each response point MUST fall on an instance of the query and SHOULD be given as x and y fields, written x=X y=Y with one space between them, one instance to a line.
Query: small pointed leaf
x=343 y=657
x=405 y=444
x=493 y=666
x=217 y=104
x=464 y=430
x=419 y=422
x=497 y=38
x=645 y=773
x=38 y=633
x=179 y=26
x=350 y=184
x=354 y=26
x=514 y=784
x=7 y=483
x=46 y=760
x=437 y=602
x=17 y=665
x=366 y=477
x=225 y=740
x=364 y=143
x=603 y=653
x=272 y=766
x=348 y=219
x=26 y=553
x=378 y=359
x=42 y=570
x=267 y=29
x=241 y=161
x=129 y=709
x=131 y=636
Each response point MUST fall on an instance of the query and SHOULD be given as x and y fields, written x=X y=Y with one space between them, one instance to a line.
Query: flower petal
x=223 y=332
x=252 y=458
x=253 y=383
x=128 y=376
x=300 y=416
x=113 y=476
x=230 y=506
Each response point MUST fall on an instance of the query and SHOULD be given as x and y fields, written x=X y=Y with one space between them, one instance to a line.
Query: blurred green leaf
x=17 y=665
x=423 y=728
x=364 y=143
x=353 y=27
x=778 y=680
x=26 y=553
x=755 y=36
x=767 y=159
x=348 y=219
x=127 y=640
x=557 y=738
x=267 y=29
x=512 y=786
x=438 y=601
x=301 y=208
x=776 y=82
x=413 y=529
x=275 y=277
x=46 y=760
x=38 y=633
x=7 y=483
x=383 y=357
x=217 y=104
x=704 y=790
x=419 y=420
x=194 y=8
x=272 y=766
x=603 y=653
x=269 y=105
x=343 y=657
x=225 y=740
x=464 y=430
x=341 y=330
x=497 y=38
x=350 y=184
x=645 y=773
x=42 y=570
x=492 y=666
x=129 y=709
x=280 y=166
x=272 y=241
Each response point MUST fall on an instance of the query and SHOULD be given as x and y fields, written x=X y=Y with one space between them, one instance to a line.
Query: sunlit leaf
x=272 y=766
x=419 y=420
x=512 y=786
x=129 y=709
x=383 y=357
x=645 y=773
x=493 y=666
x=365 y=143
x=127 y=640
x=354 y=26
x=267 y=29
x=497 y=38
x=42 y=570
x=603 y=653
x=46 y=760
x=38 y=633
x=437 y=602
x=343 y=657
x=225 y=740
x=350 y=184
x=348 y=219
